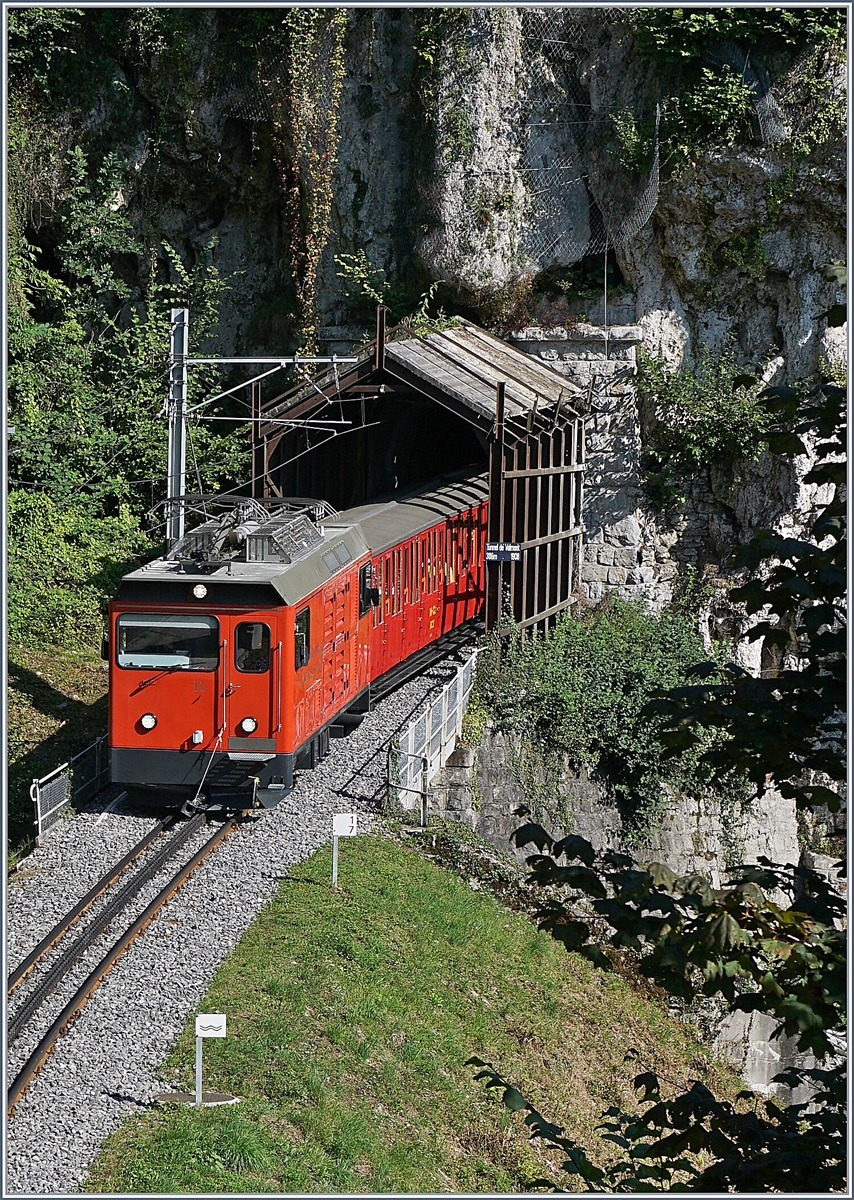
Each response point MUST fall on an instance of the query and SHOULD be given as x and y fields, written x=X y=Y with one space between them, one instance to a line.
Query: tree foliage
x=697 y=416
x=787 y=729
x=87 y=378
x=772 y=938
x=682 y=34
x=703 y=107
x=710 y=413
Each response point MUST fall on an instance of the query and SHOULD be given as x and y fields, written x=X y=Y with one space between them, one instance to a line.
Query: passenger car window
x=365 y=589
x=302 y=638
x=252 y=647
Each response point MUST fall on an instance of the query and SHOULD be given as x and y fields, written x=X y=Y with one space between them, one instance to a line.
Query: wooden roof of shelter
x=460 y=368
x=525 y=422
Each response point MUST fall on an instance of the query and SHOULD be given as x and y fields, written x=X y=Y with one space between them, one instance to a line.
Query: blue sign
x=503 y=552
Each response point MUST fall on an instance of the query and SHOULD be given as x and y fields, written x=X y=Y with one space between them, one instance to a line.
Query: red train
x=261 y=631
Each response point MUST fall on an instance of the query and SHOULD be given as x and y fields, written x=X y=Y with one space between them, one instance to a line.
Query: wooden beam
x=567 y=470
x=379 y=353
x=301 y=404
x=549 y=612
x=496 y=470
x=482 y=420
x=551 y=537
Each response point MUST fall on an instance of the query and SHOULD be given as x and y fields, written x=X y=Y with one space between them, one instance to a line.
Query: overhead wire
x=196 y=463
x=159 y=525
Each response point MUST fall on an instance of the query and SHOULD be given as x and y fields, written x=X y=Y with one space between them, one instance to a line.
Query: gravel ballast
x=105 y=1068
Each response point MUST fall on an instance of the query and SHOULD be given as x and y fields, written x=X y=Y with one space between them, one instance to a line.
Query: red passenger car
x=234 y=656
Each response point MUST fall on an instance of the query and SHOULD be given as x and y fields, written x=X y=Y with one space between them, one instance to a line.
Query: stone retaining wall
x=479 y=788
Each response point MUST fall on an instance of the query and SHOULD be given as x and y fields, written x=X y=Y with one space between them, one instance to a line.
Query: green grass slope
x=57 y=706
x=350 y=1018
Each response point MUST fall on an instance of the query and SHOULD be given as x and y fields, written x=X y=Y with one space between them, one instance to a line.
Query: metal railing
x=78 y=779
x=423 y=748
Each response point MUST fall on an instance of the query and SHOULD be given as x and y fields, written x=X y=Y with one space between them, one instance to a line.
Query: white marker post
x=207 y=1025
x=343 y=825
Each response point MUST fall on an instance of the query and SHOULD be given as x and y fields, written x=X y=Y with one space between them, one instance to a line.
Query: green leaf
x=529 y=833
x=575 y=847
x=724 y=932
x=661 y=875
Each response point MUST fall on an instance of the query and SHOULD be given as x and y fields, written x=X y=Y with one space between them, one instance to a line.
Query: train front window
x=252 y=647
x=167 y=641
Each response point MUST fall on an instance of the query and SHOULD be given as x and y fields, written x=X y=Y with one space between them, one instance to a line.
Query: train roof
x=385 y=524
x=370 y=528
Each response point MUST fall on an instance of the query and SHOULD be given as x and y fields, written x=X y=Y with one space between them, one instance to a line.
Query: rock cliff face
x=481 y=148
x=479 y=786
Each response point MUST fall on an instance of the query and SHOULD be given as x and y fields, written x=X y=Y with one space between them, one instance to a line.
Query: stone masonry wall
x=479 y=787
x=630 y=548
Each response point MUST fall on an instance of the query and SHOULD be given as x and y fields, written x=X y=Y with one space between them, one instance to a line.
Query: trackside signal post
x=343 y=825
x=207 y=1025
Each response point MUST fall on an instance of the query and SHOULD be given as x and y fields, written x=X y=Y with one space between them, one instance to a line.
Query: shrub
x=65 y=560
x=696 y=416
x=577 y=695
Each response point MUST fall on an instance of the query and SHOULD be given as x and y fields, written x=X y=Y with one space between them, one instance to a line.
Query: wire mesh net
x=262 y=86
x=583 y=193
x=575 y=189
x=578 y=200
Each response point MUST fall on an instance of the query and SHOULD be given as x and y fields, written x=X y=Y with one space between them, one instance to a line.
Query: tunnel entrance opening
x=413 y=410
x=393 y=443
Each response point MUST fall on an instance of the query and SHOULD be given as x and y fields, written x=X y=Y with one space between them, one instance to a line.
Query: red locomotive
x=261 y=631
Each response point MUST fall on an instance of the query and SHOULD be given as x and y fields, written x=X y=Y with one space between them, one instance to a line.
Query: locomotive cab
x=217 y=682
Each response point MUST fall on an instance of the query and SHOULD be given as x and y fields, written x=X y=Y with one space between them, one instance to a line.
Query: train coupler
x=195 y=806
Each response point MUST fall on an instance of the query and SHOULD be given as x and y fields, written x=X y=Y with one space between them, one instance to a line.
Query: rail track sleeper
x=75 y=1005
x=50 y=939
x=88 y=936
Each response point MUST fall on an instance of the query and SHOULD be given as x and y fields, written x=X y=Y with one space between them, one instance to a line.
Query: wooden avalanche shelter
x=413 y=409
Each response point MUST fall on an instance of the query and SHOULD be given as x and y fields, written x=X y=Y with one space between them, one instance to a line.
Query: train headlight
x=148 y=720
x=248 y=724
x=200 y=591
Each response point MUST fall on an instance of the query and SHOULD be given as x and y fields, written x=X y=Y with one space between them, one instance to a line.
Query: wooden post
x=379 y=356
x=496 y=498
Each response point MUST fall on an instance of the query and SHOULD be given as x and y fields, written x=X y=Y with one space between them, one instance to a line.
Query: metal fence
x=423 y=748
x=78 y=779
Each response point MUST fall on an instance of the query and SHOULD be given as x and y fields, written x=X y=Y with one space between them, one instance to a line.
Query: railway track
x=27 y=965
x=451 y=643
x=109 y=1063
x=57 y=972
x=73 y=948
